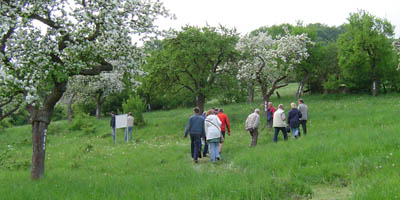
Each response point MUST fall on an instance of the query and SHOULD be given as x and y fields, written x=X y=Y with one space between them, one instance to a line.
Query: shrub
x=59 y=113
x=89 y=106
x=5 y=123
x=82 y=122
x=135 y=105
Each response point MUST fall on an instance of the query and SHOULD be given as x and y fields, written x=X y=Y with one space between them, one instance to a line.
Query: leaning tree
x=44 y=43
x=269 y=61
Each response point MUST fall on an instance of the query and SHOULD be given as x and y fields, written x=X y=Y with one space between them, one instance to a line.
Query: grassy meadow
x=351 y=151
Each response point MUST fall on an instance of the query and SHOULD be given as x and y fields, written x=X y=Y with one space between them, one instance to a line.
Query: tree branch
x=95 y=34
x=5 y=38
x=96 y=70
x=7 y=102
x=196 y=84
x=3 y=44
x=274 y=85
x=9 y=112
x=46 y=21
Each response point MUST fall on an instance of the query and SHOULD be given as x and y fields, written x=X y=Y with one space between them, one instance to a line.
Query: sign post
x=121 y=122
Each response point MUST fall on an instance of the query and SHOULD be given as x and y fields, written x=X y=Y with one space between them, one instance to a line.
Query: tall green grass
x=351 y=151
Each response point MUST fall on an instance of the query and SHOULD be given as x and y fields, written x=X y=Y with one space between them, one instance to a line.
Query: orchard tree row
x=58 y=51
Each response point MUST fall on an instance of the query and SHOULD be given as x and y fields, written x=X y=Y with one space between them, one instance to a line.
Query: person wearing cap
x=252 y=124
x=195 y=126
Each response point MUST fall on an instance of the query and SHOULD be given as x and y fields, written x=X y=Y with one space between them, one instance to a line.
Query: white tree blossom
x=268 y=61
x=44 y=43
x=49 y=41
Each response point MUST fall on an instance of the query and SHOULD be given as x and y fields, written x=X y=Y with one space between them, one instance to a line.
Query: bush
x=113 y=102
x=5 y=123
x=59 y=113
x=136 y=106
x=332 y=85
x=89 y=106
x=82 y=122
x=231 y=96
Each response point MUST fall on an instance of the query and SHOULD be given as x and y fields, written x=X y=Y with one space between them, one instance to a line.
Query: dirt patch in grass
x=329 y=192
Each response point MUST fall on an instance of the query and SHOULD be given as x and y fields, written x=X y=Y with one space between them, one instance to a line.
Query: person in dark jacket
x=112 y=124
x=303 y=108
x=195 y=126
x=294 y=117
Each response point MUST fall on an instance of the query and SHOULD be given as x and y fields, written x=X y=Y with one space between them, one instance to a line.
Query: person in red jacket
x=225 y=122
x=270 y=114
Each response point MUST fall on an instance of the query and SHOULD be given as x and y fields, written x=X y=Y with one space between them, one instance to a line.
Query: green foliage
x=365 y=51
x=89 y=107
x=322 y=62
x=136 y=106
x=59 y=113
x=114 y=102
x=82 y=122
x=192 y=60
x=332 y=85
x=5 y=123
x=351 y=152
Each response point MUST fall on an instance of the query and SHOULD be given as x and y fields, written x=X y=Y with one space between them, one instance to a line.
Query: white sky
x=247 y=15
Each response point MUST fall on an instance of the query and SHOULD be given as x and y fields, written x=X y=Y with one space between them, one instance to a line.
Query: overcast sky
x=247 y=15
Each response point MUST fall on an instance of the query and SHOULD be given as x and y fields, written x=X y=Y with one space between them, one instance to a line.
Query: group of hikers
x=209 y=128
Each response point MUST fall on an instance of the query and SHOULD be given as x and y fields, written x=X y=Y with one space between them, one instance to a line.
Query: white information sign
x=121 y=121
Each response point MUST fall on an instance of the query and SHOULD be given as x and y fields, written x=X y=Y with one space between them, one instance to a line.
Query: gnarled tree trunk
x=99 y=103
x=40 y=121
x=268 y=93
x=39 y=130
x=200 y=101
x=251 y=93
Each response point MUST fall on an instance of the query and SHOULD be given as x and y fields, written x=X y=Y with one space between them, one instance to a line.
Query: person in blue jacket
x=195 y=127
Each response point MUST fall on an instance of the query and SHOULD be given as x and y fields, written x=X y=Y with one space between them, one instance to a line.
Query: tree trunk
x=301 y=85
x=41 y=119
x=148 y=102
x=384 y=89
x=374 y=87
x=251 y=93
x=265 y=98
x=99 y=103
x=200 y=101
x=98 y=110
x=264 y=92
x=70 y=101
x=39 y=129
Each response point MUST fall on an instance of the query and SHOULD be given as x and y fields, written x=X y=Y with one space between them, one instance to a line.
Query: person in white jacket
x=212 y=128
x=279 y=123
x=252 y=124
